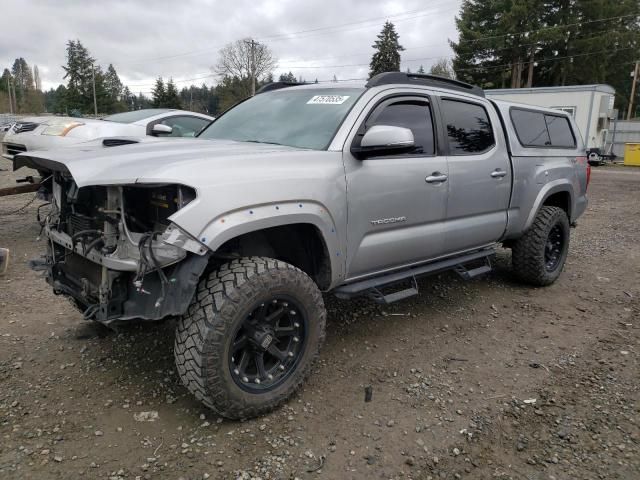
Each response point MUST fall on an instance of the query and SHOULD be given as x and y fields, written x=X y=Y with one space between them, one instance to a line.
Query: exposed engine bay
x=115 y=252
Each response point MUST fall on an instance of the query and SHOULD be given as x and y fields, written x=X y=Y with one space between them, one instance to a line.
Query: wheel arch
x=555 y=194
x=305 y=240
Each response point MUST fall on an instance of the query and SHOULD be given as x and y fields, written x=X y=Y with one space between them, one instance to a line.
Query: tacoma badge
x=384 y=221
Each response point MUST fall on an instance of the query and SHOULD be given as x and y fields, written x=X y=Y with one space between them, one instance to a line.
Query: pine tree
x=112 y=84
x=78 y=72
x=287 y=77
x=172 y=99
x=6 y=75
x=23 y=85
x=5 y=82
x=23 y=75
x=127 y=98
x=103 y=97
x=26 y=98
x=230 y=91
x=142 y=101
x=420 y=70
x=158 y=94
x=541 y=43
x=387 y=55
x=60 y=101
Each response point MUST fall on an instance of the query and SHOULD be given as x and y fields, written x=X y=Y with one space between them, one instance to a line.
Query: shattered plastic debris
x=150 y=416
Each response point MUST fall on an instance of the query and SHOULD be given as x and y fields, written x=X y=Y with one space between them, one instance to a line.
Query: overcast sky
x=181 y=38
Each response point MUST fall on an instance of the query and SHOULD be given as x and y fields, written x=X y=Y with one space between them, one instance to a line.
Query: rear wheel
x=250 y=336
x=540 y=254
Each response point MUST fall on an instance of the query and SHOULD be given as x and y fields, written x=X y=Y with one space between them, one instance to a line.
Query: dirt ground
x=482 y=379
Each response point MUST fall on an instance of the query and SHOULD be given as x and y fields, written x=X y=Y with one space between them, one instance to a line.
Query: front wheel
x=540 y=254
x=250 y=336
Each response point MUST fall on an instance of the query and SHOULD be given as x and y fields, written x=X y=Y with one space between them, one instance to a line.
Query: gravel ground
x=480 y=379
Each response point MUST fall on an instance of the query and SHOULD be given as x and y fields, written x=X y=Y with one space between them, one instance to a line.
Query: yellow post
x=632 y=154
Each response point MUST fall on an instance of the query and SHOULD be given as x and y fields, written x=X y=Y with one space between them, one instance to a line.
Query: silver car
x=47 y=132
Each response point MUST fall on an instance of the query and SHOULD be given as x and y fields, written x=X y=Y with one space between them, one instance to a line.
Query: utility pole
x=93 y=81
x=636 y=72
x=252 y=63
x=9 y=91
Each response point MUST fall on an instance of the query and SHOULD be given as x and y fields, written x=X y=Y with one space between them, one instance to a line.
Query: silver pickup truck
x=350 y=188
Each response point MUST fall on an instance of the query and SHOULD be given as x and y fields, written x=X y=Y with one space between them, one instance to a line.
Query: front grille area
x=79 y=223
x=22 y=127
x=14 y=148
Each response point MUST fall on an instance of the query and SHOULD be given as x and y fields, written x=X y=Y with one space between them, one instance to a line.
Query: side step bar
x=371 y=287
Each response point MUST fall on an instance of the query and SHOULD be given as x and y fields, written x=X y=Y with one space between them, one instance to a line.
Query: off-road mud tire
x=528 y=252
x=222 y=301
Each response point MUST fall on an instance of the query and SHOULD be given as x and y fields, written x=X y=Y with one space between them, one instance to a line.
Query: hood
x=177 y=160
x=62 y=120
x=57 y=120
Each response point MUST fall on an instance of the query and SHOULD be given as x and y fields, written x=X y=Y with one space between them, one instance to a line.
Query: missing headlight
x=148 y=208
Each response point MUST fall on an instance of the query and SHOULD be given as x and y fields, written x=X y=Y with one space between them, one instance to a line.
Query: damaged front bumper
x=108 y=295
x=110 y=271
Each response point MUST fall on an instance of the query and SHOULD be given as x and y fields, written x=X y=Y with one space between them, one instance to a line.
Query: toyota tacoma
x=350 y=188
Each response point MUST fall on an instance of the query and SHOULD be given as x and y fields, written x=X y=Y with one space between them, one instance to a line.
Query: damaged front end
x=115 y=252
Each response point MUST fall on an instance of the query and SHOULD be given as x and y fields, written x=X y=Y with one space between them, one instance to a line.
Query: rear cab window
x=469 y=130
x=536 y=129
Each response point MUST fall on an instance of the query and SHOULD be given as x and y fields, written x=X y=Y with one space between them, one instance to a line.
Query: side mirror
x=384 y=140
x=161 y=129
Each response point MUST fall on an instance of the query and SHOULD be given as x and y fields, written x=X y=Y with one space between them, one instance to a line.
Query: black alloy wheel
x=268 y=345
x=539 y=255
x=553 y=248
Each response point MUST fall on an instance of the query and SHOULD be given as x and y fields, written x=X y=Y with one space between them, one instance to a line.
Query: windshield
x=130 y=117
x=304 y=118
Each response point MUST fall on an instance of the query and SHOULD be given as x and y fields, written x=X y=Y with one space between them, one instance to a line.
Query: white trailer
x=590 y=105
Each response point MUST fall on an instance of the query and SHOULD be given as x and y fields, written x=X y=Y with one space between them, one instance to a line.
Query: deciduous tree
x=442 y=68
x=243 y=60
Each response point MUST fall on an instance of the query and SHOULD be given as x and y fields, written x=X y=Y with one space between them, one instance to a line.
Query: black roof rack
x=278 y=85
x=423 y=79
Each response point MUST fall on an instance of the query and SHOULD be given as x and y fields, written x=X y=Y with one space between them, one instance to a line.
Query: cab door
x=479 y=173
x=396 y=203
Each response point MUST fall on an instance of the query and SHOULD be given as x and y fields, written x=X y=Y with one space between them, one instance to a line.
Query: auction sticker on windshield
x=328 y=100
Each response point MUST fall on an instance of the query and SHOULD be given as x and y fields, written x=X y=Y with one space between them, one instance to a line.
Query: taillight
x=585 y=161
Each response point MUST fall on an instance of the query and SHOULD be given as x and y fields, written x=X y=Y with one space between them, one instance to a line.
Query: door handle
x=497 y=173
x=436 y=177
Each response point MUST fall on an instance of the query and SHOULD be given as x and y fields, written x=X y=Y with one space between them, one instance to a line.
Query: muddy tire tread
x=201 y=333
x=528 y=251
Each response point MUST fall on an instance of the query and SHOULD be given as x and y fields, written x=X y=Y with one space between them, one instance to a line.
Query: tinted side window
x=560 y=131
x=414 y=115
x=530 y=128
x=468 y=128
